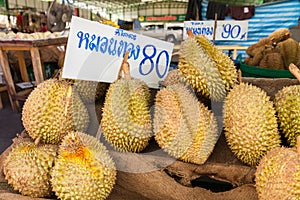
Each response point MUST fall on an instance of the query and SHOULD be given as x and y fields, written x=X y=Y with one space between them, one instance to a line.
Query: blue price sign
x=225 y=29
x=95 y=52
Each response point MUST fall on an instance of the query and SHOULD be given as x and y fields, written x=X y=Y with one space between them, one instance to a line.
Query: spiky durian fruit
x=50 y=113
x=250 y=123
x=173 y=77
x=126 y=120
x=27 y=168
x=278 y=175
x=287 y=104
x=225 y=65
x=90 y=91
x=83 y=169
x=200 y=71
x=184 y=127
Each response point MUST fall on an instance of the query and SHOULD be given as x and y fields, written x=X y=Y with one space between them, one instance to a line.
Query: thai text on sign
x=95 y=52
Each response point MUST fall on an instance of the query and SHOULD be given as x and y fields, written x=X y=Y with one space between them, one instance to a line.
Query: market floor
x=10 y=123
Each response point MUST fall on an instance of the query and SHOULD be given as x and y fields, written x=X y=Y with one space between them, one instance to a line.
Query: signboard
x=162 y=18
x=95 y=52
x=225 y=30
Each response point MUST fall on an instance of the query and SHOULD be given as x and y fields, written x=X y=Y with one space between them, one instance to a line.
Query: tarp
x=268 y=18
x=240 y=2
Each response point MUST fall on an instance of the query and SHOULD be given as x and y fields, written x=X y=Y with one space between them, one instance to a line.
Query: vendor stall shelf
x=20 y=46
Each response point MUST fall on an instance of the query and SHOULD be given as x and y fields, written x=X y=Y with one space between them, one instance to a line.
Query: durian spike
x=190 y=33
x=295 y=71
x=68 y=98
x=37 y=141
x=240 y=76
x=298 y=145
x=125 y=67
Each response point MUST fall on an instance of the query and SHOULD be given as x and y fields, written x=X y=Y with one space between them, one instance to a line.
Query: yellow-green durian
x=83 y=169
x=27 y=168
x=287 y=104
x=250 y=123
x=225 y=65
x=200 y=71
x=184 y=127
x=126 y=120
x=50 y=113
x=278 y=175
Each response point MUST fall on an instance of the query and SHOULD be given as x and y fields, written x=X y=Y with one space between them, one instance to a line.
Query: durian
x=90 y=91
x=287 y=104
x=126 y=120
x=250 y=124
x=50 y=113
x=173 y=77
x=27 y=168
x=200 y=71
x=183 y=126
x=83 y=169
x=278 y=175
x=225 y=65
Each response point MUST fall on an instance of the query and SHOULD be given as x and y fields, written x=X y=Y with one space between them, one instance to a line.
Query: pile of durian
x=63 y=160
x=29 y=36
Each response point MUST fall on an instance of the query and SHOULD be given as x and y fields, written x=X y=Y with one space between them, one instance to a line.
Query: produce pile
x=62 y=160
x=29 y=36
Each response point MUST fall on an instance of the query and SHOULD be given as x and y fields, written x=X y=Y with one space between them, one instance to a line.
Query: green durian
x=225 y=65
x=83 y=169
x=184 y=127
x=50 y=113
x=126 y=120
x=27 y=168
x=250 y=124
x=287 y=104
x=200 y=71
x=278 y=175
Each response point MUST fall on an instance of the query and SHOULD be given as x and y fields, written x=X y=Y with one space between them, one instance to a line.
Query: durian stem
x=240 y=76
x=37 y=141
x=298 y=145
x=190 y=33
x=68 y=99
x=125 y=68
x=295 y=71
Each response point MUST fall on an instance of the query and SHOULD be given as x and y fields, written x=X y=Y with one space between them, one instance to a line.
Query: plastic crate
x=258 y=72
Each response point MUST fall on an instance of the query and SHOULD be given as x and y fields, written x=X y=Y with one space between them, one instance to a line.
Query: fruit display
x=90 y=91
x=28 y=166
x=52 y=110
x=29 y=36
x=250 y=124
x=287 y=104
x=83 y=169
x=278 y=174
x=183 y=126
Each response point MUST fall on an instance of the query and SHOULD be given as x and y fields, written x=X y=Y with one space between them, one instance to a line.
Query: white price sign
x=225 y=30
x=95 y=52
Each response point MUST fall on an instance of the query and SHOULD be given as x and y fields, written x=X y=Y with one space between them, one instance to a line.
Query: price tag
x=226 y=29
x=95 y=52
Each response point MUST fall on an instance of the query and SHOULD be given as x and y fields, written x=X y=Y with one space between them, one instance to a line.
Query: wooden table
x=20 y=46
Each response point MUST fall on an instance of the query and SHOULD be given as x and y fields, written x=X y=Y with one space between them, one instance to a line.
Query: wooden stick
x=295 y=71
x=215 y=27
x=125 y=68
